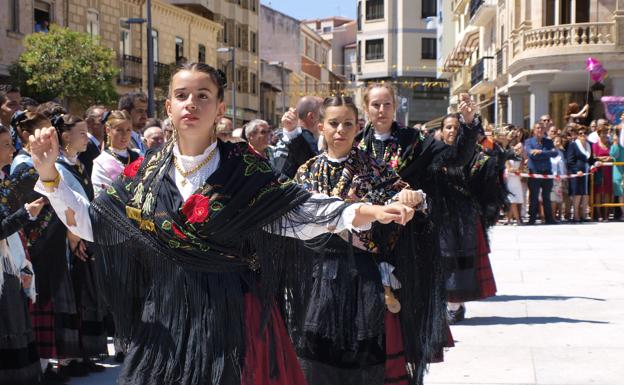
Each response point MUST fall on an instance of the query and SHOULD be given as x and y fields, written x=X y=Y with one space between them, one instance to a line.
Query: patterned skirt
x=19 y=360
x=473 y=279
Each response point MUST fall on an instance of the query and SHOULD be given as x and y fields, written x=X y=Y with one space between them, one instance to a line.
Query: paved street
x=558 y=319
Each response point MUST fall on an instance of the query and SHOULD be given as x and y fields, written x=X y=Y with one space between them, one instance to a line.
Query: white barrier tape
x=550 y=176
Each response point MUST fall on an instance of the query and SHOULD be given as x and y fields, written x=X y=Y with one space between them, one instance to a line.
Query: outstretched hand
x=466 y=108
x=44 y=149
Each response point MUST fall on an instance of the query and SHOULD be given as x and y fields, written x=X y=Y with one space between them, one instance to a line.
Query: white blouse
x=63 y=198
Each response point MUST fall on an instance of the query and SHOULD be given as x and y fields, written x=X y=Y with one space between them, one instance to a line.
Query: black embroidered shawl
x=187 y=265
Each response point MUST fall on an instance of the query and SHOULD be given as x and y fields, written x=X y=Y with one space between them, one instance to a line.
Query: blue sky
x=314 y=9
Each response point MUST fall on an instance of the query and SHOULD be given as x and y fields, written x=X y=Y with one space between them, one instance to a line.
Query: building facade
x=178 y=34
x=397 y=42
x=301 y=52
x=240 y=31
x=524 y=59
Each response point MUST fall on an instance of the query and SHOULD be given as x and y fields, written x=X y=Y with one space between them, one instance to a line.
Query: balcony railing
x=162 y=73
x=566 y=39
x=478 y=70
x=570 y=35
x=131 y=70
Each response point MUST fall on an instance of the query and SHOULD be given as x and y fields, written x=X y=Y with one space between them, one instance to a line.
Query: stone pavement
x=558 y=318
x=559 y=315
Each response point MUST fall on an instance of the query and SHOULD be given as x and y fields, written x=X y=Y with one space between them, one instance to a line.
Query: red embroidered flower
x=196 y=208
x=131 y=170
x=394 y=163
x=177 y=232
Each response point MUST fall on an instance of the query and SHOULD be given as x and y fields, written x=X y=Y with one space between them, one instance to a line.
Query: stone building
x=523 y=59
x=397 y=42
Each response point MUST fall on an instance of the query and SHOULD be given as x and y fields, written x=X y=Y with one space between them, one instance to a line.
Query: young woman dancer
x=340 y=333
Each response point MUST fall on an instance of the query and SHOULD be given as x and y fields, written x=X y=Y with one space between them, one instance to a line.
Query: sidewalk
x=559 y=315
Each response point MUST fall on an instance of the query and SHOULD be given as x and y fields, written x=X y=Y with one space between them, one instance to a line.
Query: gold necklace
x=185 y=174
x=118 y=157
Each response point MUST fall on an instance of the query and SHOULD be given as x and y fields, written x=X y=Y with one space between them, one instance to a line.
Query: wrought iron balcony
x=477 y=73
x=131 y=70
x=162 y=74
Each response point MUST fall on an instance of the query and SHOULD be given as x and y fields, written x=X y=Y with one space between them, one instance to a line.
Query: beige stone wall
x=11 y=41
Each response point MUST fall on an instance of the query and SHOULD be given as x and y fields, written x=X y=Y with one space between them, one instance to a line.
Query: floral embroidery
x=131 y=170
x=178 y=233
x=166 y=225
x=196 y=208
x=255 y=164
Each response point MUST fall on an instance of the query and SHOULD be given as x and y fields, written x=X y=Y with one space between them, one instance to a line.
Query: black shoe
x=456 y=316
x=530 y=223
x=120 y=357
x=552 y=222
x=74 y=369
x=50 y=377
x=92 y=366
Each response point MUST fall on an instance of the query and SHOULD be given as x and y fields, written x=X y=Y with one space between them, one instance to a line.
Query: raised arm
x=71 y=207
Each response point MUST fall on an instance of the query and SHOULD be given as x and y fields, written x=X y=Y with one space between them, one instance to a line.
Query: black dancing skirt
x=343 y=327
x=19 y=360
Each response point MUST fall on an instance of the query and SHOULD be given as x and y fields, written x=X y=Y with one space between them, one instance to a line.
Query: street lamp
x=281 y=64
x=234 y=80
x=150 y=55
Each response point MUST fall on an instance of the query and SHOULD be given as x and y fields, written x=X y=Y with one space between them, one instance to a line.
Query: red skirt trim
x=42 y=319
x=485 y=275
x=270 y=357
x=396 y=365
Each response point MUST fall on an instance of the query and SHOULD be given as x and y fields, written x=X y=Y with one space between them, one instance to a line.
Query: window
x=375 y=49
x=224 y=34
x=429 y=8
x=327 y=29
x=254 y=5
x=239 y=36
x=359 y=16
x=253 y=81
x=14 y=11
x=42 y=16
x=374 y=9
x=429 y=48
x=309 y=48
x=359 y=57
x=179 y=50
x=93 y=22
x=254 y=42
x=201 y=56
x=125 y=43
x=155 y=44
x=561 y=12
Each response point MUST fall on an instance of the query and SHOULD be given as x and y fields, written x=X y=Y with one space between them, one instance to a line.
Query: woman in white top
x=559 y=169
x=514 y=185
x=185 y=236
x=117 y=154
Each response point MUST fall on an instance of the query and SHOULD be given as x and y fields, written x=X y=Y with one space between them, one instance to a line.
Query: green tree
x=66 y=64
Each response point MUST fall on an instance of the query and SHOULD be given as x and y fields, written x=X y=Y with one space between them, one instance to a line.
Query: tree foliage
x=66 y=64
